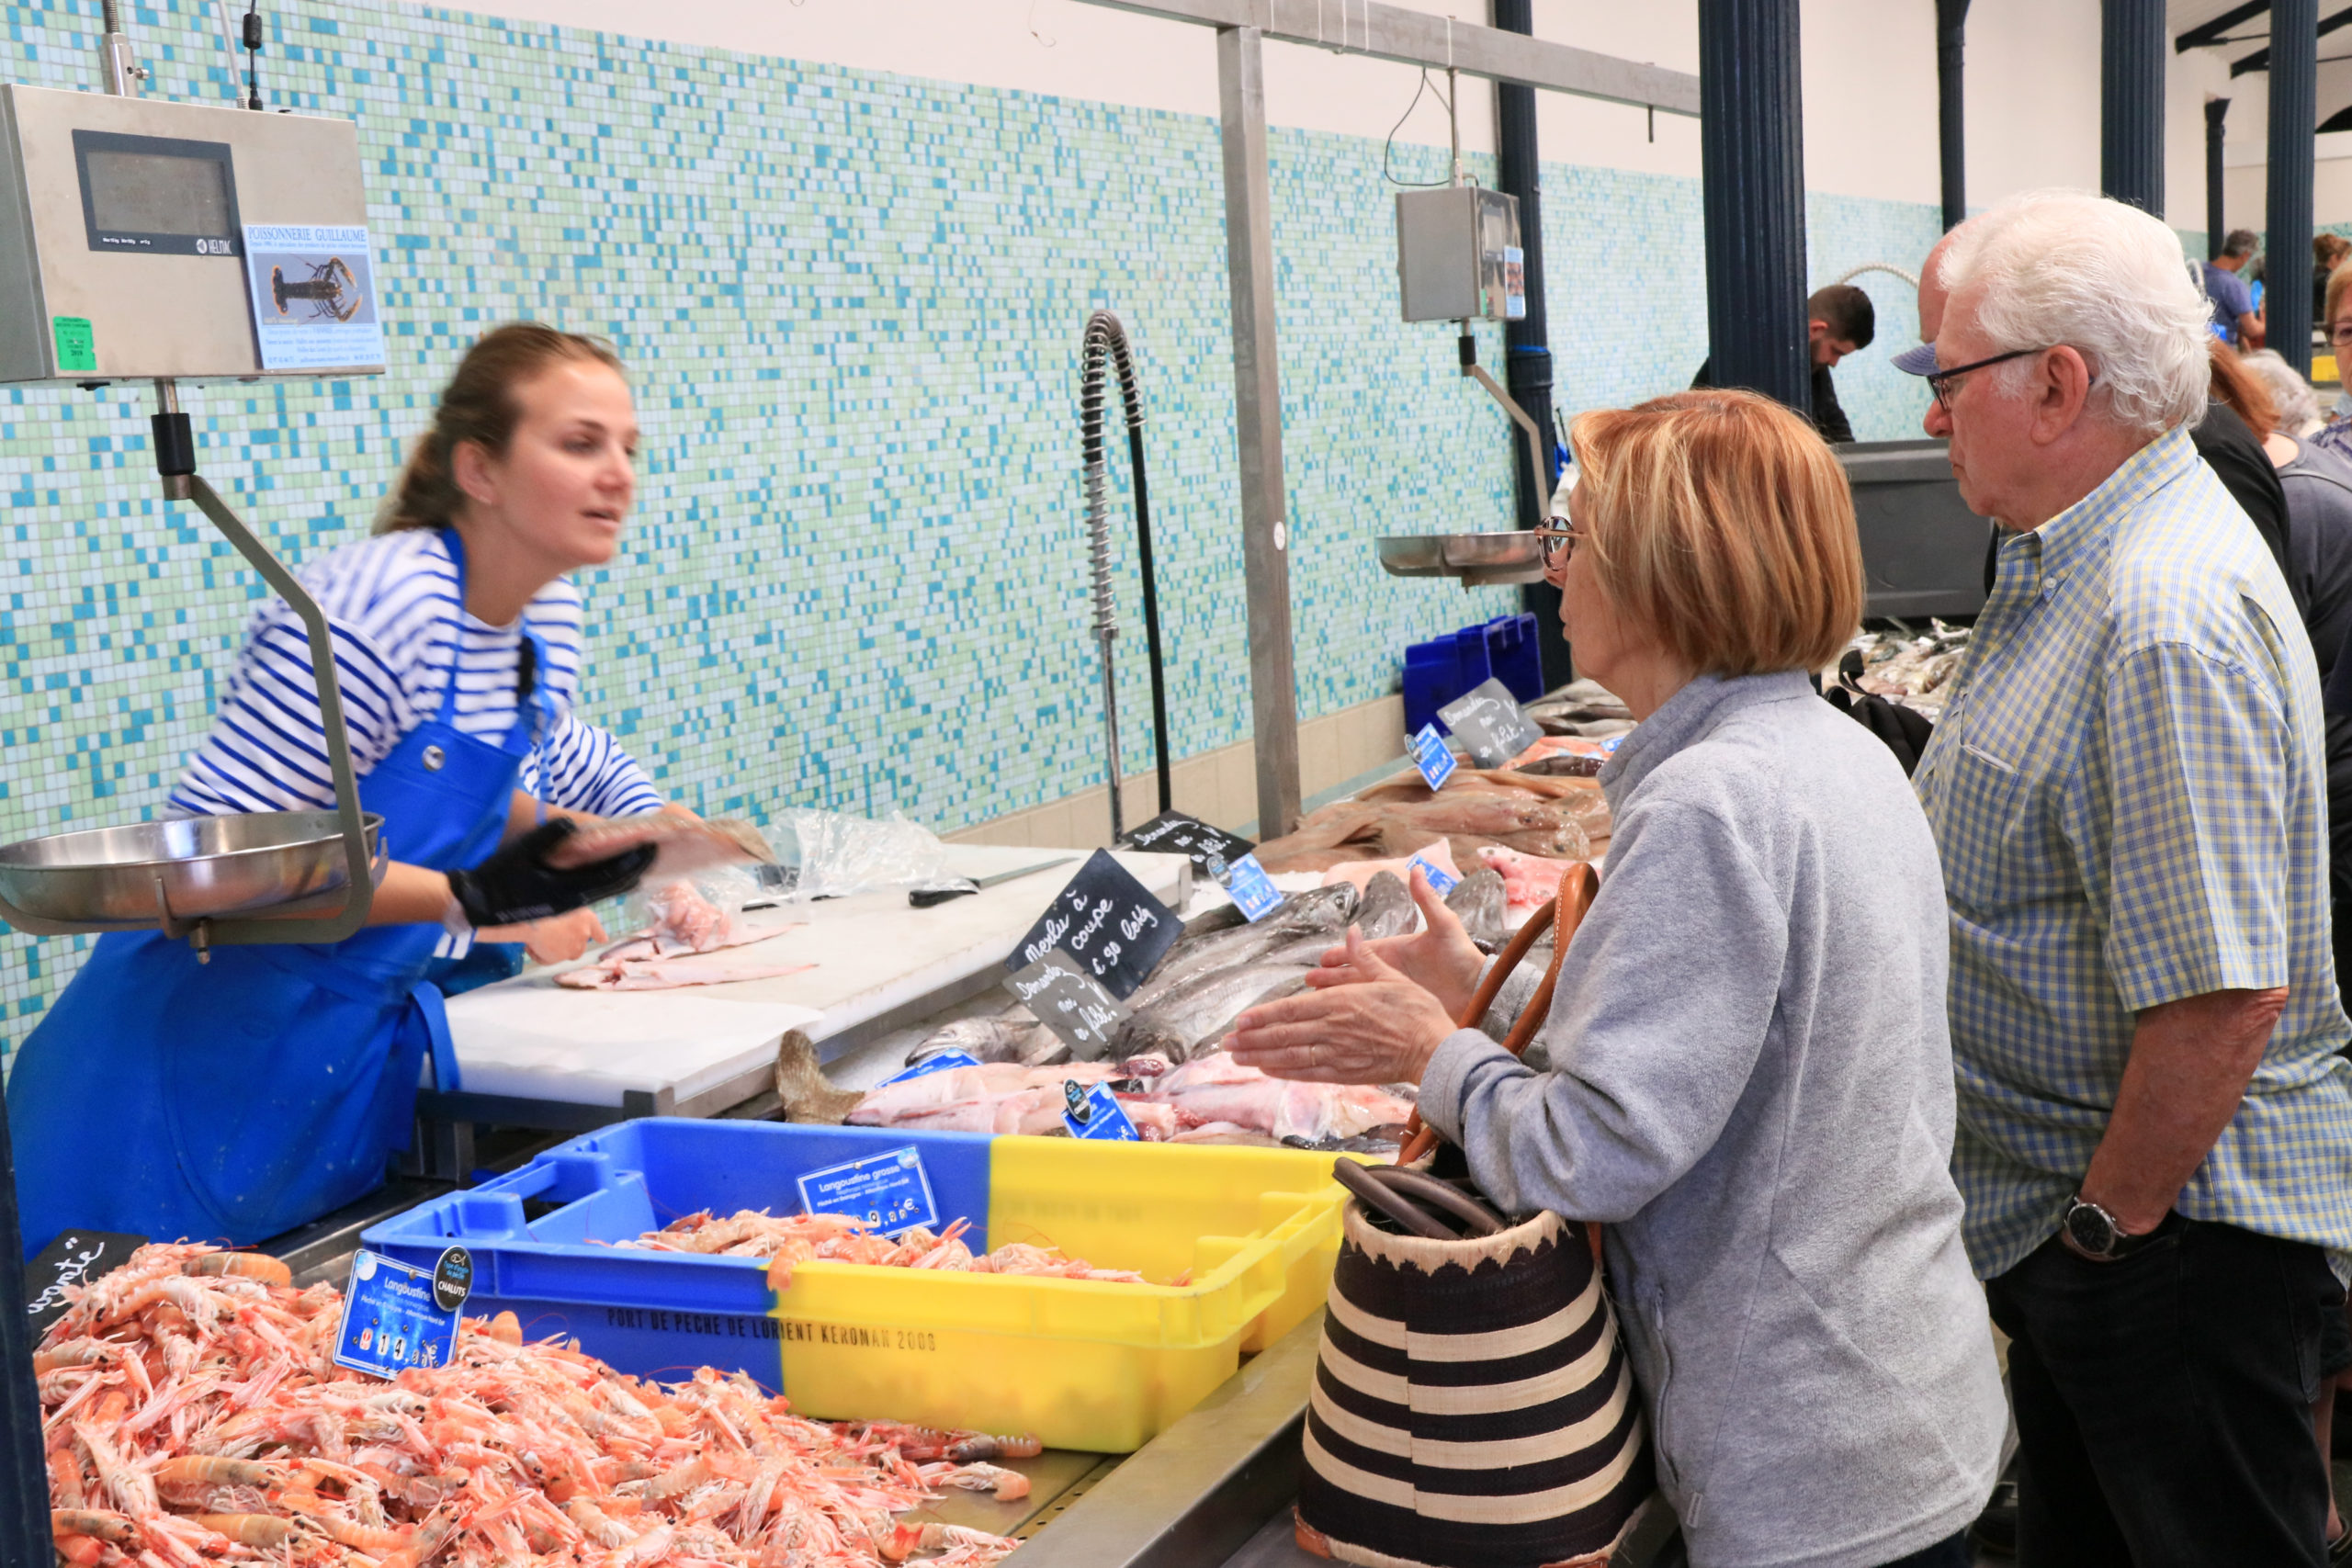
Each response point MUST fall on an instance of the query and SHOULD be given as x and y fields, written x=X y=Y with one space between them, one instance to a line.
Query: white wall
x=1870 y=78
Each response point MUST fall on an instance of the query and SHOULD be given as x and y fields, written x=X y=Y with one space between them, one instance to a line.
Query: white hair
x=2297 y=403
x=2064 y=267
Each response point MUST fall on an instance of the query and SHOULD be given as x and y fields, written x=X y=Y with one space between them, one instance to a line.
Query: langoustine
x=213 y=1426
x=787 y=1240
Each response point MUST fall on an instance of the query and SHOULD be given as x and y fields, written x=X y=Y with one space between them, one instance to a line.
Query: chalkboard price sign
x=1108 y=922
x=1173 y=832
x=1490 y=724
x=1068 y=1001
x=76 y=1257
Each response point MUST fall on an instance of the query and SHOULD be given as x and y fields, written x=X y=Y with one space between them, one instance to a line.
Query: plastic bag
x=838 y=856
x=695 y=914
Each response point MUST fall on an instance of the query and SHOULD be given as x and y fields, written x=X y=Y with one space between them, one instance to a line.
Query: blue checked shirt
x=2128 y=792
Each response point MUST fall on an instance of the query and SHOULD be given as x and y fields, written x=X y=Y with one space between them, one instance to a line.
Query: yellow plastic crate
x=1080 y=1363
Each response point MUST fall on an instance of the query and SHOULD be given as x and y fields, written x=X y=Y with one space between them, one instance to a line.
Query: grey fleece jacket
x=1751 y=1081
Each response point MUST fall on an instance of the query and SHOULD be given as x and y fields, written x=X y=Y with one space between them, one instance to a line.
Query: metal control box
x=1458 y=256
x=140 y=238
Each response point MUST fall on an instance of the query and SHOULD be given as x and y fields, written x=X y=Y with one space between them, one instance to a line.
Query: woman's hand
x=1442 y=960
x=1365 y=1022
x=558 y=939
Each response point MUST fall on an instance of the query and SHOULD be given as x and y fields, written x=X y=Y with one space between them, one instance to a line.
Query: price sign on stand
x=1252 y=888
x=1068 y=1001
x=1441 y=881
x=76 y=1257
x=397 y=1315
x=1429 y=755
x=1095 y=1113
x=1173 y=832
x=889 y=1191
x=929 y=1065
x=1107 y=923
x=1489 y=722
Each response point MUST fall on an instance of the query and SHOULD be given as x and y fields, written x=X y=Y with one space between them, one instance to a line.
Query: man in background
x=2234 y=314
x=1842 y=322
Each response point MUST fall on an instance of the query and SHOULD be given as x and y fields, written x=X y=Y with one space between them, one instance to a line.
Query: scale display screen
x=157 y=194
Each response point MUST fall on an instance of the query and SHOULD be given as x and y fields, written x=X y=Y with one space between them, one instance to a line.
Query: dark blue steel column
x=2216 y=111
x=2294 y=120
x=1520 y=171
x=1751 y=157
x=1952 y=38
x=2132 y=102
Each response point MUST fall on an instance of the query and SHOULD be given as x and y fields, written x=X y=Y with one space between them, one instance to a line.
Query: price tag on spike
x=1252 y=890
x=1430 y=756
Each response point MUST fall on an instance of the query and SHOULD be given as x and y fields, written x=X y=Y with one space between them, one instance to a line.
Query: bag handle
x=1564 y=913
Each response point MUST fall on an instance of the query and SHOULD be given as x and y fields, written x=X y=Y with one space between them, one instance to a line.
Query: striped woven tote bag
x=1472 y=1406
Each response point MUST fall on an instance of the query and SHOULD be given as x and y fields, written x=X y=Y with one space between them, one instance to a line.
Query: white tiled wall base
x=1219 y=787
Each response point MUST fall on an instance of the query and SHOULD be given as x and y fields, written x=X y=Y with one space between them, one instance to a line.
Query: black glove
x=516 y=885
x=1905 y=730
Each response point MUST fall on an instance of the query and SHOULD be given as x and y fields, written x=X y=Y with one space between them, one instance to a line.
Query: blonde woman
x=1745 y=1072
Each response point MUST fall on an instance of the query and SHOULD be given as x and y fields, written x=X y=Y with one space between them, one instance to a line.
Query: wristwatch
x=2094 y=1234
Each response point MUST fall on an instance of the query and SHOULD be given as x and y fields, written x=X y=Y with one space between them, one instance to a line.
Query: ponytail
x=478 y=405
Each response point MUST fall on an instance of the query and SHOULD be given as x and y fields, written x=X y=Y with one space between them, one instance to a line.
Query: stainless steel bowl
x=1477 y=559
x=208 y=866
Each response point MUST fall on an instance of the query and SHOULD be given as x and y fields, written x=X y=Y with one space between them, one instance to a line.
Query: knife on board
x=958 y=888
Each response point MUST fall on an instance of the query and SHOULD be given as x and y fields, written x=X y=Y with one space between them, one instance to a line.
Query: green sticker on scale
x=77 y=346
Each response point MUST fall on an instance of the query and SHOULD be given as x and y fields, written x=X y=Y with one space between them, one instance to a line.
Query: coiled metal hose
x=1104 y=346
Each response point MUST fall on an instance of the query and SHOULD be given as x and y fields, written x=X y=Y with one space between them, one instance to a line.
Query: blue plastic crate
x=1443 y=668
x=658 y=1314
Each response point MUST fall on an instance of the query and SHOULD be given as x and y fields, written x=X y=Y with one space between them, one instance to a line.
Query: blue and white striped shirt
x=2128 y=793
x=392 y=606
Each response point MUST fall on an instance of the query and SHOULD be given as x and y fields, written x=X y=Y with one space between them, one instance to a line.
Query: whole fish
x=1387 y=908
x=1481 y=902
x=1012 y=1036
x=1322 y=913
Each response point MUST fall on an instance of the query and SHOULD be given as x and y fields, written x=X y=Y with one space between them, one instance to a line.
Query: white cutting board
x=531 y=1038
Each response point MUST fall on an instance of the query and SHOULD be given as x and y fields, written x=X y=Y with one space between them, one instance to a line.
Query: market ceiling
x=2231 y=24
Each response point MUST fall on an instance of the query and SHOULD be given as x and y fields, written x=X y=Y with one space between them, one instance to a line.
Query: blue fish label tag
x=394 y=1316
x=1252 y=888
x=929 y=1065
x=1441 y=881
x=1430 y=756
x=1095 y=1113
x=889 y=1191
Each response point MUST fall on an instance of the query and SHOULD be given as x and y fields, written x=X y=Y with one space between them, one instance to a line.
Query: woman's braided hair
x=478 y=405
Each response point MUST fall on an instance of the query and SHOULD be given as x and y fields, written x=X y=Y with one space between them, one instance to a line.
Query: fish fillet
x=623 y=970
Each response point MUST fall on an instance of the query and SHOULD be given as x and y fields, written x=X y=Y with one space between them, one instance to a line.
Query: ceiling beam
x=1421 y=38
x=2260 y=58
x=2204 y=33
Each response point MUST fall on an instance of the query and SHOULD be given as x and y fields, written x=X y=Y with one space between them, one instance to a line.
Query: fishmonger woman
x=234 y=1099
x=1746 y=1072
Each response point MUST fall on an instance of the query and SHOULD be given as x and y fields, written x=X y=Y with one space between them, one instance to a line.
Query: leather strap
x=1563 y=914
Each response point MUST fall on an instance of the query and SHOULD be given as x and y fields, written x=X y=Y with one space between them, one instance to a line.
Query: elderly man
x=2127 y=791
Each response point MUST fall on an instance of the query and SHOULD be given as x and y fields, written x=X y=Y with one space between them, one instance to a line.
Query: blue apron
x=235 y=1100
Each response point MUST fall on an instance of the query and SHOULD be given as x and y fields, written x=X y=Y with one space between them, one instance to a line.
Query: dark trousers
x=2163 y=1402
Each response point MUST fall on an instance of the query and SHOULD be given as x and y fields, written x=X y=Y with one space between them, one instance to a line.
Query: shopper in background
x=2232 y=299
x=1745 y=1069
x=2128 y=792
x=1842 y=321
x=2328 y=251
x=2294 y=401
x=2336 y=436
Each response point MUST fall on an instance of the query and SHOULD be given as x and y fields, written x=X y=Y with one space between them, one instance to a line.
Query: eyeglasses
x=1941 y=381
x=1556 y=542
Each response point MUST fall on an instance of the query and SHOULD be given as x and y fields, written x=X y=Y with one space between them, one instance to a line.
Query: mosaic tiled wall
x=851 y=302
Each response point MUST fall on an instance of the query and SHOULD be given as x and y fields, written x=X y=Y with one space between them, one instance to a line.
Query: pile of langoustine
x=789 y=1239
x=193 y=1416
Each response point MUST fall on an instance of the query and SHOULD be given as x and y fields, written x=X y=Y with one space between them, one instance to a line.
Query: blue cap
x=1919 y=361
